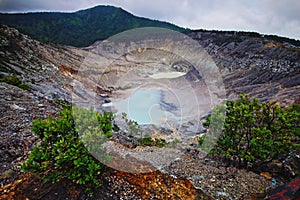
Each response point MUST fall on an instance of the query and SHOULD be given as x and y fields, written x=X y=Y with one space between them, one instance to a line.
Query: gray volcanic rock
x=261 y=67
x=43 y=67
x=18 y=108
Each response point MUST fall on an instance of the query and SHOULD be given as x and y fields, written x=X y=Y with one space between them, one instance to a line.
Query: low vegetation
x=255 y=131
x=62 y=153
x=66 y=144
x=133 y=130
x=14 y=80
x=236 y=36
x=147 y=140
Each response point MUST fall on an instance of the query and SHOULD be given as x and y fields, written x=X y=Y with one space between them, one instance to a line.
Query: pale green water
x=167 y=75
x=143 y=106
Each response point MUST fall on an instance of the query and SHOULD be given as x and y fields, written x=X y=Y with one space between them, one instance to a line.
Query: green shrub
x=134 y=129
x=159 y=142
x=201 y=140
x=257 y=131
x=14 y=80
x=148 y=141
x=66 y=143
x=215 y=123
x=24 y=87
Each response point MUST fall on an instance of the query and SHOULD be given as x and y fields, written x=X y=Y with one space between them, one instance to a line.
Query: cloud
x=264 y=16
x=40 y=5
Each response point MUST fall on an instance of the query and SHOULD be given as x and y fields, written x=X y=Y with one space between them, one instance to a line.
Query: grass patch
x=14 y=80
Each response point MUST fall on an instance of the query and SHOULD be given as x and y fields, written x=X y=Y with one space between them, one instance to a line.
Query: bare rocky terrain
x=260 y=67
x=263 y=68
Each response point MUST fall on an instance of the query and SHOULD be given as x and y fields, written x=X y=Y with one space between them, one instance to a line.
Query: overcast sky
x=279 y=17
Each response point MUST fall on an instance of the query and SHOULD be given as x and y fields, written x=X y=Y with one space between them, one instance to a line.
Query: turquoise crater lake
x=144 y=107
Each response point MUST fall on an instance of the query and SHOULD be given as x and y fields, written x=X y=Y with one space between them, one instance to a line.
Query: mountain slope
x=80 y=28
x=259 y=66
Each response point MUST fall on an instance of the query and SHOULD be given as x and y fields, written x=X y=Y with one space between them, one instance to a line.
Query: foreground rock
x=18 y=108
x=115 y=185
x=287 y=191
x=218 y=181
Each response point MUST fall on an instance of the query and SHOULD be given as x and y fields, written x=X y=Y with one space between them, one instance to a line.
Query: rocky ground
x=191 y=174
x=261 y=67
x=220 y=182
x=189 y=177
x=18 y=109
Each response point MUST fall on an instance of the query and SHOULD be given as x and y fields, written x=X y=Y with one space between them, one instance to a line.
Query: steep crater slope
x=260 y=66
x=32 y=75
x=47 y=69
x=160 y=70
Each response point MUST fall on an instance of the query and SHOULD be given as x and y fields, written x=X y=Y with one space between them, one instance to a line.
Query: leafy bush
x=159 y=142
x=215 y=123
x=257 y=131
x=133 y=129
x=201 y=140
x=62 y=152
x=148 y=141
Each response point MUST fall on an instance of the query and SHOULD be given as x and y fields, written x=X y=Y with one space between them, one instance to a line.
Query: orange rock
x=267 y=175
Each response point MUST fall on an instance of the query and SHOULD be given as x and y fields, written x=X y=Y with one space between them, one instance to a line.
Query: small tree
x=133 y=129
x=257 y=131
x=62 y=152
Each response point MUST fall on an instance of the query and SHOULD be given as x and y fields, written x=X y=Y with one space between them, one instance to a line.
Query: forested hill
x=81 y=28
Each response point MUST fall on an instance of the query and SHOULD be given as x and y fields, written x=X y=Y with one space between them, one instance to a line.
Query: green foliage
x=215 y=123
x=201 y=140
x=148 y=141
x=236 y=36
x=133 y=129
x=14 y=80
x=257 y=131
x=63 y=103
x=159 y=142
x=24 y=87
x=62 y=152
x=81 y=28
